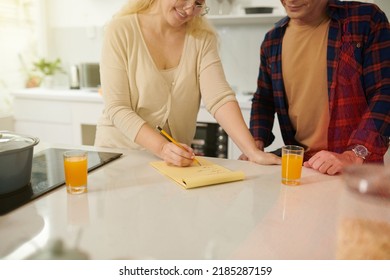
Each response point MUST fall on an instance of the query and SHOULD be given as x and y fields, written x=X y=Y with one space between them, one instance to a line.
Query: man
x=325 y=71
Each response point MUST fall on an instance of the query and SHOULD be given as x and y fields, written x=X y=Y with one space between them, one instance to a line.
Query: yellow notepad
x=199 y=176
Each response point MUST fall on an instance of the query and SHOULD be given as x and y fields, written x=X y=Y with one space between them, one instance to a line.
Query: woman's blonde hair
x=196 y=25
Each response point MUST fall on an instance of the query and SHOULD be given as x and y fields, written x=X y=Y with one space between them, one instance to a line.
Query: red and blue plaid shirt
x=358 y=63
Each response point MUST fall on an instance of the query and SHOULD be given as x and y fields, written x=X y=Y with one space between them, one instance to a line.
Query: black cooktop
x=48 y=174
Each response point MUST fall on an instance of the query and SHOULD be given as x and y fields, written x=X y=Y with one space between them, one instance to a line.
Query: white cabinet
x=57 y=116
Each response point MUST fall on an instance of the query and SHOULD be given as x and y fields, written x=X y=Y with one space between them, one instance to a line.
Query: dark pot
x=16 y=153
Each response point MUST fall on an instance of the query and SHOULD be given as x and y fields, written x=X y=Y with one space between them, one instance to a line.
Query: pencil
x=170 y=139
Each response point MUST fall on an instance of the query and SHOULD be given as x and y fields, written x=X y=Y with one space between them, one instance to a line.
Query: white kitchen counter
x=58 y=115
x=85 y=95
x=133 y=212
x=60 y=94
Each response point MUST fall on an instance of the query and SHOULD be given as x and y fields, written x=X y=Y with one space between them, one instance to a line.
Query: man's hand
x=332 y=163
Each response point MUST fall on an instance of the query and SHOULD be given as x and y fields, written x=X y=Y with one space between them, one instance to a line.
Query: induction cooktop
x=48 y=174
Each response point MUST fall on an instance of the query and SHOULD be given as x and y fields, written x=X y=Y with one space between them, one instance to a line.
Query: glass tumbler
x=76 y=171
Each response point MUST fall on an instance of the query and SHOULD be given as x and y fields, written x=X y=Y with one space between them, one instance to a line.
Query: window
x=19 y=37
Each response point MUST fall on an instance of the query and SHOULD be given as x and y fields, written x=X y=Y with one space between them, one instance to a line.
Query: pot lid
x=10 y=141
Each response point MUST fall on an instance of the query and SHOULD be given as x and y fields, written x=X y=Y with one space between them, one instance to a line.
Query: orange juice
x=291 y=169
x=76 y=170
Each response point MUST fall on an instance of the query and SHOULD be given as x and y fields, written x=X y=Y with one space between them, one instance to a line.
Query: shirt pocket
x=350 y=59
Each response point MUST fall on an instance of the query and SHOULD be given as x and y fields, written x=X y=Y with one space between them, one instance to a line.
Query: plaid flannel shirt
x=358 y=42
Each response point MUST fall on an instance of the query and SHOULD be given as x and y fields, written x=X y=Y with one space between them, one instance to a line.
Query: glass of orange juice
x=76 y=170
x=292 y=160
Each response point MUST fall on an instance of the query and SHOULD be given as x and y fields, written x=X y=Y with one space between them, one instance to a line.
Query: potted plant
x=46 y=69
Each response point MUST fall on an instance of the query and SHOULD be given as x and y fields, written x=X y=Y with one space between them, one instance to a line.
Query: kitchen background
x=79 y=40
x=73 y=30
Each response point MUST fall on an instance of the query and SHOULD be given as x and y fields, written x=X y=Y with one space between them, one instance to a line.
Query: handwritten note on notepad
x=199 y=176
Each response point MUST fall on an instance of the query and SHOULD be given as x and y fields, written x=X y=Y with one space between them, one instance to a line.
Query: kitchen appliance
x=47 y=174
x=16 y=152
x=210 y=140
x=89 y=76
x=74 y=77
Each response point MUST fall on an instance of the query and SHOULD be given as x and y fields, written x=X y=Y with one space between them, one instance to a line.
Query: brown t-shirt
x=304 y=67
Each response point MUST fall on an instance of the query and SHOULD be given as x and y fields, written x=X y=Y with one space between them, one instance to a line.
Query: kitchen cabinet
x=57 y=116
x=70 y=116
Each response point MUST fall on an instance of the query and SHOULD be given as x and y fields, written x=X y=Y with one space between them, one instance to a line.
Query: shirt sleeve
x=215 y=90
x=373 y=131
x=115 y=80
x=263 y=109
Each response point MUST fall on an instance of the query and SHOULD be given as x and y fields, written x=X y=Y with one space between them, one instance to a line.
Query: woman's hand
x=174 y=155
x=261 y=157
x=243 y=157
x=264 y=158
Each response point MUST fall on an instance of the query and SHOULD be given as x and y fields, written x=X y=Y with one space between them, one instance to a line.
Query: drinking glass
x=76 y=171
x=292 y=160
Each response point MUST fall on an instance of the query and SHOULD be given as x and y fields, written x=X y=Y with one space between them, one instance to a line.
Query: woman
x=159 y=59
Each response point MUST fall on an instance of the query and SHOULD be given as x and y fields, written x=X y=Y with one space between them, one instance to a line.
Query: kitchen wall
x=76 y=27
x=384 y=5
x=19 y=29
x=75 y=32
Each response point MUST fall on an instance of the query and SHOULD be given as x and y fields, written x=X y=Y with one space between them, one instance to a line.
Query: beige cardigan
x=135 y=91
